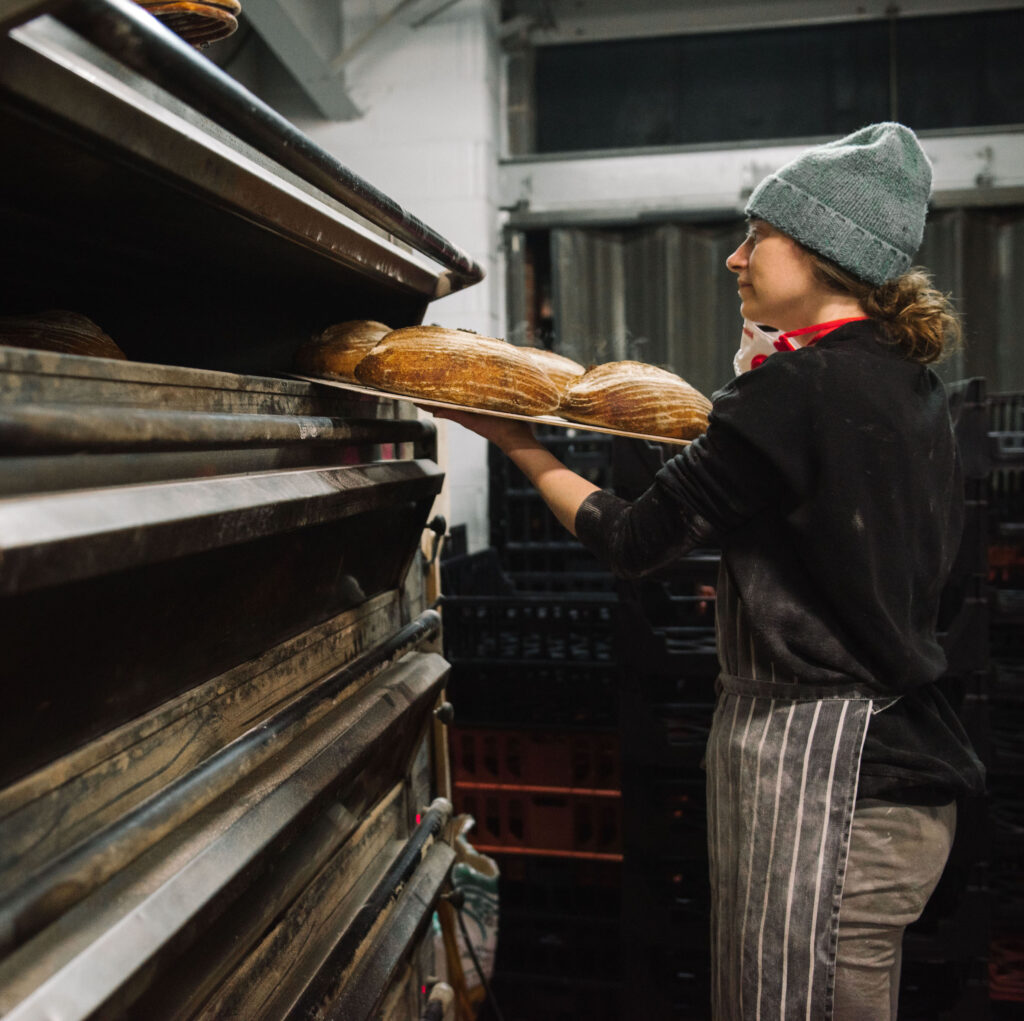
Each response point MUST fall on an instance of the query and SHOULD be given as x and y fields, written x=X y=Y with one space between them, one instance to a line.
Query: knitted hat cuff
x=826 y=231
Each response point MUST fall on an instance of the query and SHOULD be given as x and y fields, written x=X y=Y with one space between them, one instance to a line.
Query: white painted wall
x=428 y=136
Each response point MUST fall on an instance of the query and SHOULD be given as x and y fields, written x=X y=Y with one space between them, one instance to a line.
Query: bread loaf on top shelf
x=458 y=367
x=338 y=349
x=636 y=397
x=560 y=370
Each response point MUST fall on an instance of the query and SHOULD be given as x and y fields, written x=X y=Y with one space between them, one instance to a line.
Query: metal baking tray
x=425 y=402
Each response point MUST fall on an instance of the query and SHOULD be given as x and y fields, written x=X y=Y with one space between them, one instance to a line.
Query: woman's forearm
x=561 y=489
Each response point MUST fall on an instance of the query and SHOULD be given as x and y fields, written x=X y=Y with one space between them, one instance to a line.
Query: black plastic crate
x=664 y=810
x=667 y=734
x=970 y=413
x=526 y=997
x=668 y=981
x=944 y=991
x=537 y=552
x=474 y=574
x=1006 y=412
x=1006 y=482
x=529 y=628
x=576 y=887
x=557 y=566
x=553 y=695
x=580 y=947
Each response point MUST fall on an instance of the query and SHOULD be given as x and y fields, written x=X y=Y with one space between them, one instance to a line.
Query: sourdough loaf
x=560 y=370
x=337 y=350
x=67 y=332
x=458 y=367
x=636 y=397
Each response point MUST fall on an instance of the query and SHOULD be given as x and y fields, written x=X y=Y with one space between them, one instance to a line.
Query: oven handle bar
x=134 y=37
x=332 y=977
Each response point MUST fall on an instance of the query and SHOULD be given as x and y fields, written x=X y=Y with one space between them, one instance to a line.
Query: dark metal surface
x=362 y=994
x=63 y=537
x=116 y=966
x=339 y=963
x=216 y=731
x=140 y=42
x=184 y=250
x=62 y=883
x=48 y=378
x=47 y=428
x=15 y=12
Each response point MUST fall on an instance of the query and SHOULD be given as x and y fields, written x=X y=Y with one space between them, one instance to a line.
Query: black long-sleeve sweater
x=829 y=478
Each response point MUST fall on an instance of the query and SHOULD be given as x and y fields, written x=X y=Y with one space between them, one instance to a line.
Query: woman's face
x=776 y=282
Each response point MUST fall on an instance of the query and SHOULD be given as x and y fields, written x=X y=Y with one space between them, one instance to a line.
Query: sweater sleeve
x=721 y=480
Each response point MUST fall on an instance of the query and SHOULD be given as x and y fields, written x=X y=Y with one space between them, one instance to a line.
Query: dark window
x=956 y=71
x=962 y=71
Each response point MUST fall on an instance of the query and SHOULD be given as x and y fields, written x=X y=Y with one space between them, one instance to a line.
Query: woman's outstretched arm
x=561 y=488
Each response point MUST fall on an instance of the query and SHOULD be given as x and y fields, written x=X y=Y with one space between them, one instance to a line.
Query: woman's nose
x=738 y=259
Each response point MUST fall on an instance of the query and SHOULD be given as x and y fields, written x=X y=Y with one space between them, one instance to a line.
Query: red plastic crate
x=543 y=822
x=536 y=758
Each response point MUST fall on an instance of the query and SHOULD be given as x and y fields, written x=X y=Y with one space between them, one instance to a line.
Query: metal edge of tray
x=44 y=67
x=129 y=34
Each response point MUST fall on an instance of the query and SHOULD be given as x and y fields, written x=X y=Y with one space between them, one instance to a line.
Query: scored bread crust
x=59 y=330
x=461 y=368
x=636 y=397
x=561 y=370
x=338 y=349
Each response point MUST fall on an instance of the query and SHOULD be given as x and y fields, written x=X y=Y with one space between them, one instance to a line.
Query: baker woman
x=828 y=476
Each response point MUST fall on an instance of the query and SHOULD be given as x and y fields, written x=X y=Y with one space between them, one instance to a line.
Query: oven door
x=218 y=785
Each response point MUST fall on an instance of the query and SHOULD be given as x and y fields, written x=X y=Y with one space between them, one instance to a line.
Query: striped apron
x=782 y=764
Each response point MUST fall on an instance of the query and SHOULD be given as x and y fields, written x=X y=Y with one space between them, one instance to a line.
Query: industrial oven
x=222 y=767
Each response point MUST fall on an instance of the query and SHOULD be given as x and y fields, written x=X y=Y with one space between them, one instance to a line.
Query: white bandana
x=756 y=344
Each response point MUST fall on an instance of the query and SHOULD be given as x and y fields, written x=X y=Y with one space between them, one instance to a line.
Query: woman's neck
x=830 y=308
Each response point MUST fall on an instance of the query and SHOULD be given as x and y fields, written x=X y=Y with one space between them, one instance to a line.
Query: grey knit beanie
x=860 y=201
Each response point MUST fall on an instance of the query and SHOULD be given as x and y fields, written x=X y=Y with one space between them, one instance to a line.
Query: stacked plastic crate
x=667 y=697
x=536 y=552
x=1006 y=775
x=945 y=957
x=528 y=630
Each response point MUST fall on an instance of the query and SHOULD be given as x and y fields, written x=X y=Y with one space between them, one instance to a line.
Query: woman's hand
x=507 y=433
x=563 y=490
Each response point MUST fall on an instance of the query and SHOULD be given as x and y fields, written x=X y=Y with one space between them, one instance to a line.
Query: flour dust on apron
x=782 y=765
x=781 y=785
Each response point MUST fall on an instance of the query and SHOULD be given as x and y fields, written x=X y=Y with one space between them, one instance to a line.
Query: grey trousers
x=897 y=854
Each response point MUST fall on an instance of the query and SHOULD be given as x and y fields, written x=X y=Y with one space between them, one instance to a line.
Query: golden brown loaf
x=67 y=332
x=561 y=370
x=337 y=350
x=459 y=367
x=636 y=397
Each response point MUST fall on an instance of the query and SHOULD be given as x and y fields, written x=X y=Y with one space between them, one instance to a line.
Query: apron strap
x=794 y=692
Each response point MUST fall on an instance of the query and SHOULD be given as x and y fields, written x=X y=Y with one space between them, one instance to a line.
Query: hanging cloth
x=757 y=343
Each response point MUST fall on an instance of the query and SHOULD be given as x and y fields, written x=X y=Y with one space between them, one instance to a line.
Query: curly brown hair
x=917 y=318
